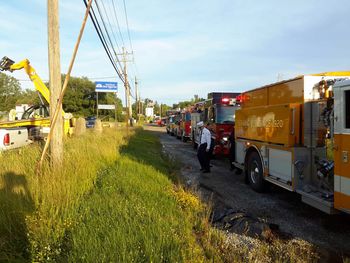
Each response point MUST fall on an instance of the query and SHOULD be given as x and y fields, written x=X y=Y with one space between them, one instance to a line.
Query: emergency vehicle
x=219 y=111
x=296 y=134
x=184 y=125
x=172 y=119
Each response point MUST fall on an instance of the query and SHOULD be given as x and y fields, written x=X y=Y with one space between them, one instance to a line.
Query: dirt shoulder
x=277 y=206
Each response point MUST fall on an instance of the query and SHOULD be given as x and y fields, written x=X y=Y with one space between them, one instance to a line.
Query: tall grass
x=116 y=199
x=105 y=204
x=135 y=215
x=36 y=212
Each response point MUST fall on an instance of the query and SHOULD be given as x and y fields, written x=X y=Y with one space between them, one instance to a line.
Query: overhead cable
x=103 y=40
x=127 y=25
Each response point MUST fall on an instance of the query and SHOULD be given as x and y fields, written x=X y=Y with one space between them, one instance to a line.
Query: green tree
x=164 y=108
x=80 y=97
x=28 y=96
x=111 y=99
x=184 y=104
x=120 y=115
x=10 y=89
x=160 y=109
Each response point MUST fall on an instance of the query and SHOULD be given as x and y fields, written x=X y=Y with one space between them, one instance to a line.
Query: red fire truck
x=172 y=120
x=219 y=111
x=184 y=125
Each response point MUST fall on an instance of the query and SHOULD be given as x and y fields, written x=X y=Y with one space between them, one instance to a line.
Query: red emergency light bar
x=225 y=100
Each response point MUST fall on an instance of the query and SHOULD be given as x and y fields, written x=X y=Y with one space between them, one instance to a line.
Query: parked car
x=12 y=138
x=90 y=121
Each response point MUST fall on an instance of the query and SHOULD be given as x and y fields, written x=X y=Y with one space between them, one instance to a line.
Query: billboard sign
x=149 y=112
x=106 y=86
x=106 y=107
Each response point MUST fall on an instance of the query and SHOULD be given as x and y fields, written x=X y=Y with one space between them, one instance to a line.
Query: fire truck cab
x=219 y=111
x=296 y=134
x=184 y=126
x=172 y=122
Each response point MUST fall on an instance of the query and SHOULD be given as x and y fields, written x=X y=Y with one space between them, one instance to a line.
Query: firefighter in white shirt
x=203 y=153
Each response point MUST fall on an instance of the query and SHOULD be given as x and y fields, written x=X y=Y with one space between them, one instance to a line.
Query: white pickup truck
x=11 y=138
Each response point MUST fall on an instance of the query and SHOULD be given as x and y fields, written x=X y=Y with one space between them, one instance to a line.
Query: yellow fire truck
x=296 y=134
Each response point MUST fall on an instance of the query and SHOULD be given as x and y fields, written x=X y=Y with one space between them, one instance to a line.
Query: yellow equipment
x=7 y=64
x=296 y=134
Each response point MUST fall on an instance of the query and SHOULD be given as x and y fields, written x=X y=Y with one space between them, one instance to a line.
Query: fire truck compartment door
x=342 y=146
x=276 y=124
x=280 y=164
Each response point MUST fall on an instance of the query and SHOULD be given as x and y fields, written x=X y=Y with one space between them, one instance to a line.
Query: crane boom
x=6 y=64
x=9 y=65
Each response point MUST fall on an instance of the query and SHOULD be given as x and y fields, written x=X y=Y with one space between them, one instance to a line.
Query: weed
x=37 y=211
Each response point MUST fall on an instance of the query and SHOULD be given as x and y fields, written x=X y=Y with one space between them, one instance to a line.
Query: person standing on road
x=203 y=153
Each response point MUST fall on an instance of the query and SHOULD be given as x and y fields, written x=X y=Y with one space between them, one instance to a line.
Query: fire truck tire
x=183 y=138
x=255 y=172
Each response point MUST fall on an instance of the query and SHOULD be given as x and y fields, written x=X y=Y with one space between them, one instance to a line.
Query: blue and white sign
x=106 y=86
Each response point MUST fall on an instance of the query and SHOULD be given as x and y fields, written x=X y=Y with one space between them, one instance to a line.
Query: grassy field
x=37 y=212
x=114 y=200
x=117 y=199
x=136 y=214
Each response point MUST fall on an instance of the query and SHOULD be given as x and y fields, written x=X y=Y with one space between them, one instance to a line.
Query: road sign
x=106 y=107
x=106 y=86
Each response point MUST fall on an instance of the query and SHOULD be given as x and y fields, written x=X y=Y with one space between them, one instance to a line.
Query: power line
x=103 y=40
x=116 y=18
x=105 y=37
x=128 y=31
x=127 y=25
x=110 y=26
x=109 y=38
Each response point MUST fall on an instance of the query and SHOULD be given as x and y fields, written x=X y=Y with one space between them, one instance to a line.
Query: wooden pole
x=137 y=99
x=56 y=148
x=97 y=105
x=126 y=89
x=65 y=84
x=115 y=109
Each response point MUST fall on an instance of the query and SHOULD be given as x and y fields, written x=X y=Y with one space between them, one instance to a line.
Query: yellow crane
x=7 y=64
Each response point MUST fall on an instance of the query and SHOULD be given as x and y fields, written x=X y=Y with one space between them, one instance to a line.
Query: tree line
x=80 y=99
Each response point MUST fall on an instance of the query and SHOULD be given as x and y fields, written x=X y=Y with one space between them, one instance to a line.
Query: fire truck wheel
x=255 y=172
x=183 y=138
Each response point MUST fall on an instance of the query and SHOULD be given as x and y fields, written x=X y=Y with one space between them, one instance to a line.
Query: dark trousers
x=203 y=157
x=232 y=154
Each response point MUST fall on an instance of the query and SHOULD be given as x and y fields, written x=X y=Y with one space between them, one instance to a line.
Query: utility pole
x=55 y=81
x=137 y=97
x=126 y=86
x=160 y=110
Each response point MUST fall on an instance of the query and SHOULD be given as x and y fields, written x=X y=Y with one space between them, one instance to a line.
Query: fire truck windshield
x=225 y=114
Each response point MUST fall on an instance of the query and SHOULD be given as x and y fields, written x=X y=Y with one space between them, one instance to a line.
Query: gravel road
x=276 y=206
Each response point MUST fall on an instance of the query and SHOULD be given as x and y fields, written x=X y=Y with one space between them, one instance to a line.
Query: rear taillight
x=7 y=139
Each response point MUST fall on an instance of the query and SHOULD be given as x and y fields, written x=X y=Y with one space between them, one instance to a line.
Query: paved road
x=277 y=206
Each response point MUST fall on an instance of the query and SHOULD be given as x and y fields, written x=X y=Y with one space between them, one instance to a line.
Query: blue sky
x=192 y=47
